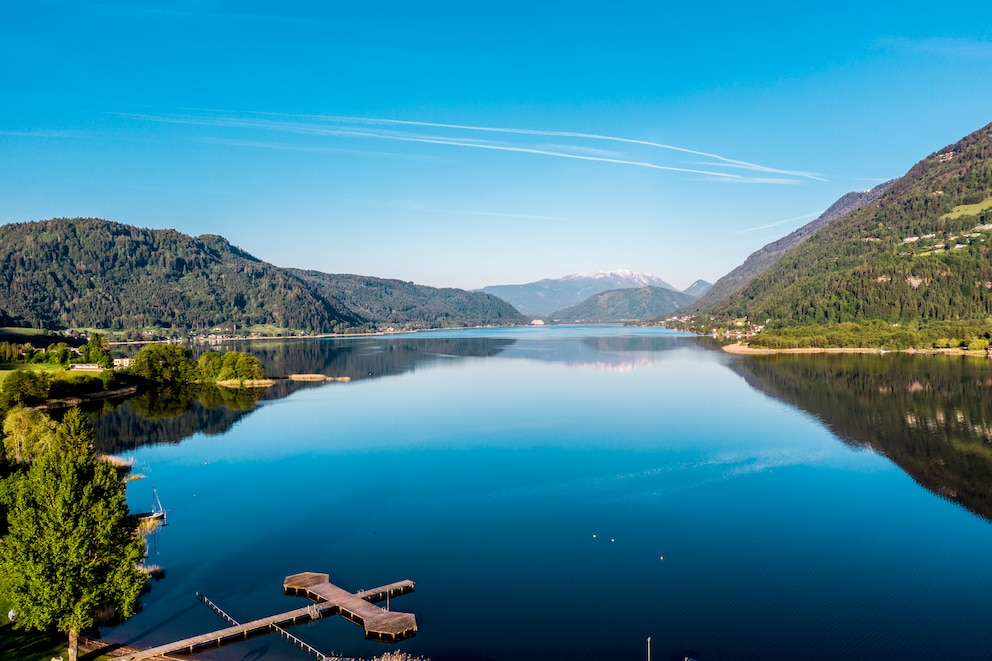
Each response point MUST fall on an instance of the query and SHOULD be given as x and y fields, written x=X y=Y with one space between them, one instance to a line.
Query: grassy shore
x=741 y=348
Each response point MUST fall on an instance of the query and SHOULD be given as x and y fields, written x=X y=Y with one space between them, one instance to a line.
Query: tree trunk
x=73 y=644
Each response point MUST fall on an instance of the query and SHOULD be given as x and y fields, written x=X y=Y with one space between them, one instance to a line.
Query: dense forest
x=92 y=273
x=919 y=252
x=762 y=259
x=398 y=303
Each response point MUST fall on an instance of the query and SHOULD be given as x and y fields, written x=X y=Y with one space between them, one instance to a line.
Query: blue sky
x=362 y=137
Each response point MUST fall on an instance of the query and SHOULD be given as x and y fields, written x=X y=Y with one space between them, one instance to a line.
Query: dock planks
x=379 y=624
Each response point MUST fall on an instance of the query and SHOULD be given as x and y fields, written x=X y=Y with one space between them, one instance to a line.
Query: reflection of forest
x=932 y=416
x=166 y=416
x=169 y=416
x=363 y=357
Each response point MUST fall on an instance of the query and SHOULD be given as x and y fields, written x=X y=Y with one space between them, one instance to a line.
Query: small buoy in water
x=661 y=557
x=612 y=539
x=594 y=536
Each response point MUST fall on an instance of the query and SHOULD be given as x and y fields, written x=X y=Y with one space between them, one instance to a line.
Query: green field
x=7 y=368
x=968 y=210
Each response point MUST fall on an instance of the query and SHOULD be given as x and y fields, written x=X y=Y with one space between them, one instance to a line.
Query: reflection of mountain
x=170 y=417
x=614 y=353
x=931 y=416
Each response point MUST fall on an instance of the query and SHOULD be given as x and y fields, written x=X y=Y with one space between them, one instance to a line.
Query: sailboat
x=157 y=513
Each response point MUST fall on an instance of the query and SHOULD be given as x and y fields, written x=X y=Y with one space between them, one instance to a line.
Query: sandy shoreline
x=744 y=349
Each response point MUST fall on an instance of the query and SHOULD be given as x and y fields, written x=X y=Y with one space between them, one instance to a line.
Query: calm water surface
x=531 y=481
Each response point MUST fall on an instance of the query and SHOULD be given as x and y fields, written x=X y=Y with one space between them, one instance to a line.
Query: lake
x=567 y=492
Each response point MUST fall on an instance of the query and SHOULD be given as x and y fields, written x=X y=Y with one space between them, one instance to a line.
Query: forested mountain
x=74 y=273
x=760 y=260
x=545 y=296
x=409 y=305
x=625 y=305
x=918 y=252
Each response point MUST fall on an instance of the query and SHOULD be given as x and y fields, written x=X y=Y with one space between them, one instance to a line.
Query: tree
x=58 y=353
x=71 y=549
x=238 y=366
x=249 y=367
x=28 y=433
x=169 y=364
x=94 y=351
x=210 y=365
x=24 y=387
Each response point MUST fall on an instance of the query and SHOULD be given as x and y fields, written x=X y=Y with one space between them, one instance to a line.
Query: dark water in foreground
x=531 y=481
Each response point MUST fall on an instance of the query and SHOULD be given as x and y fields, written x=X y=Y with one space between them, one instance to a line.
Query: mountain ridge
x=632 y=304
x=917 y=253
x=90 y=272
x=762 y=259
x=543 y=297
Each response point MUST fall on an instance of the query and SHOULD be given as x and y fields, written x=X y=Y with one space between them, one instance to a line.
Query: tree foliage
x=95 y=351
x=170 y=364
x=27 y=434
x=24 y=387
x=233 y=365
x=71 y=549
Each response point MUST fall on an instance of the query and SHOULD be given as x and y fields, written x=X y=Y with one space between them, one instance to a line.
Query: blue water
x=532 y=495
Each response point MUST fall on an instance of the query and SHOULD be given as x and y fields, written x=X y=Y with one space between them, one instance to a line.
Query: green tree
x=95 y=351
x=229 y=367
x=71 y=549
x=28 y=433
x=58 y=353
x=248 y=367
x=169 y=364
x=24 y=387
x=209 y=364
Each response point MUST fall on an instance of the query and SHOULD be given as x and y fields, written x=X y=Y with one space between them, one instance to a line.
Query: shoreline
x=746 y=350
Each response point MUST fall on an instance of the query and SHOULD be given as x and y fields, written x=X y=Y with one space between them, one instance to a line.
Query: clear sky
x=466 y=143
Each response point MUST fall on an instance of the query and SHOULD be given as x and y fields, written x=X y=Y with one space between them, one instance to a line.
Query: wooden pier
x=379 y=624
x=387 y=626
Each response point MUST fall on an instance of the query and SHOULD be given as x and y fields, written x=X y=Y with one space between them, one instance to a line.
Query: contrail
x=559 y=134
x=807 y=216
x=312 y=129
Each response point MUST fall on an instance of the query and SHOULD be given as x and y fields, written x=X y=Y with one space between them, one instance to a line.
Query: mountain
x=546 y=296
x=92 y=273
x=625 y=305
x=697 y=289
x=761 y=260
x=920 y=252
x=405 y=304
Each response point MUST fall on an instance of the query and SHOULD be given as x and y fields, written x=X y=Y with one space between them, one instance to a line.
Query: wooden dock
x=379 y=624
x=387 y=626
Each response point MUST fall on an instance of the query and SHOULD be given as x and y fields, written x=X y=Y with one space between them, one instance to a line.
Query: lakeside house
x=85 y=367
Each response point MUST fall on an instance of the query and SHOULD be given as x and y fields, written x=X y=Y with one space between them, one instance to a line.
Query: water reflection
x=367 y=357
x=169 y=416
x=932 y=416
x=172 y=415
